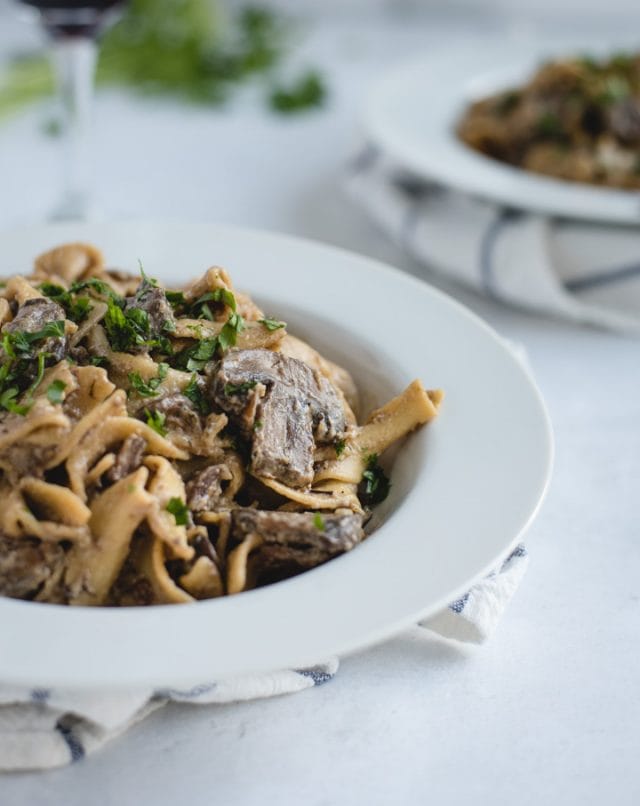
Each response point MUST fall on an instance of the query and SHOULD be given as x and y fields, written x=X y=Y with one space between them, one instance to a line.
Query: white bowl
x=464 y=488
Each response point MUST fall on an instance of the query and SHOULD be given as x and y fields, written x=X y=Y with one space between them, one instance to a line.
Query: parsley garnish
x=195 y=394
x=229 y=333
x=55 y=391
x=8 y=402
x=179 y=510
x=146 y=280
x=200 y=309
x=76 y=308
x=272 y=324
x=195 y=358
x=148 y=388
x=175 y=298
x=376 y=484
x=339 y=446
x=128 y=329
x=156 y=420
x=18 y=373
x=257 y=425
x=238 y=389
x=318 y=522
x=100 y=287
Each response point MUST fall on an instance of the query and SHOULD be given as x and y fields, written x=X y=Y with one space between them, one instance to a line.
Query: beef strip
x=180 y=414
x=295 y=404
x=153 y=301
x=204 y=491
x=129 y=458
x=293 y=542
x=32 y=316
x=26 y=564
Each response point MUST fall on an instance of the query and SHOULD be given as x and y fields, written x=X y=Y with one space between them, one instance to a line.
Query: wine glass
x=74 y=27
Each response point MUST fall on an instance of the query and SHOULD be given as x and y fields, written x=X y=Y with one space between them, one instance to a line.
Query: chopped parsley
x=156 y=420
x=375 y=483
x=8 y=402
x=200 y=309
x=195 y=394
x=128 y=329
x=195 y=358
x=257 y=425
x=339 y=446
x=146 y=280
x=179 y=510
x=272 y=324
x=23 y=365
x=76 y=308
x=318 y=522
x=55 y=392
x=175 y=298
x=229 y=333
x=240 y=388
x=101 y=288
x=148 y=388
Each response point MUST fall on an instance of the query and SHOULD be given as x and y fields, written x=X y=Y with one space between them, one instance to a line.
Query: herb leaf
x=156 y=420
x=375 y=482
x=175 y=298
x=318 y=522
x=179 y=510
x=272 y=324
x=195 y=394
x=148 y=388
x=55 y=391
x=8 y=401
x=240 y=388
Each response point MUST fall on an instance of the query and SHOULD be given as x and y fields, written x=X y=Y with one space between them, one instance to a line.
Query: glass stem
x=75 y=63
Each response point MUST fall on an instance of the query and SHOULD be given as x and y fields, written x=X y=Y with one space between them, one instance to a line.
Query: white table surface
x=548 y=711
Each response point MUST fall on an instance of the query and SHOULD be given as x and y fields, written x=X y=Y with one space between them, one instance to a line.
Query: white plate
x=412 y=114
x=464 y=488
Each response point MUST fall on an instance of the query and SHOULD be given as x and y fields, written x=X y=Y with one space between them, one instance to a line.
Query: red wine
x=73 y=17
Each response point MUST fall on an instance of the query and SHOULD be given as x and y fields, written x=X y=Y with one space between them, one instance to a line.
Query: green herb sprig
x=148 y=388
x=179 y=510
x=375 y=483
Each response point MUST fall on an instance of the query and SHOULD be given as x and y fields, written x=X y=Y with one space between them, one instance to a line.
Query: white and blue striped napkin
x=44 y=728
x=583 y=271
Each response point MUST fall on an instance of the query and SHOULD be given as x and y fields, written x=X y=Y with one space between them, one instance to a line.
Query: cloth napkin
x=583 y=271
x=44 y=728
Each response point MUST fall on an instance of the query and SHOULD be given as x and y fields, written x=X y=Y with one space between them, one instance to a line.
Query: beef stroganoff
x=169 y=445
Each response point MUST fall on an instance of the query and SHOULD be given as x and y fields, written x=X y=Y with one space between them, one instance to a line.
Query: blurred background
x=214 y=109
